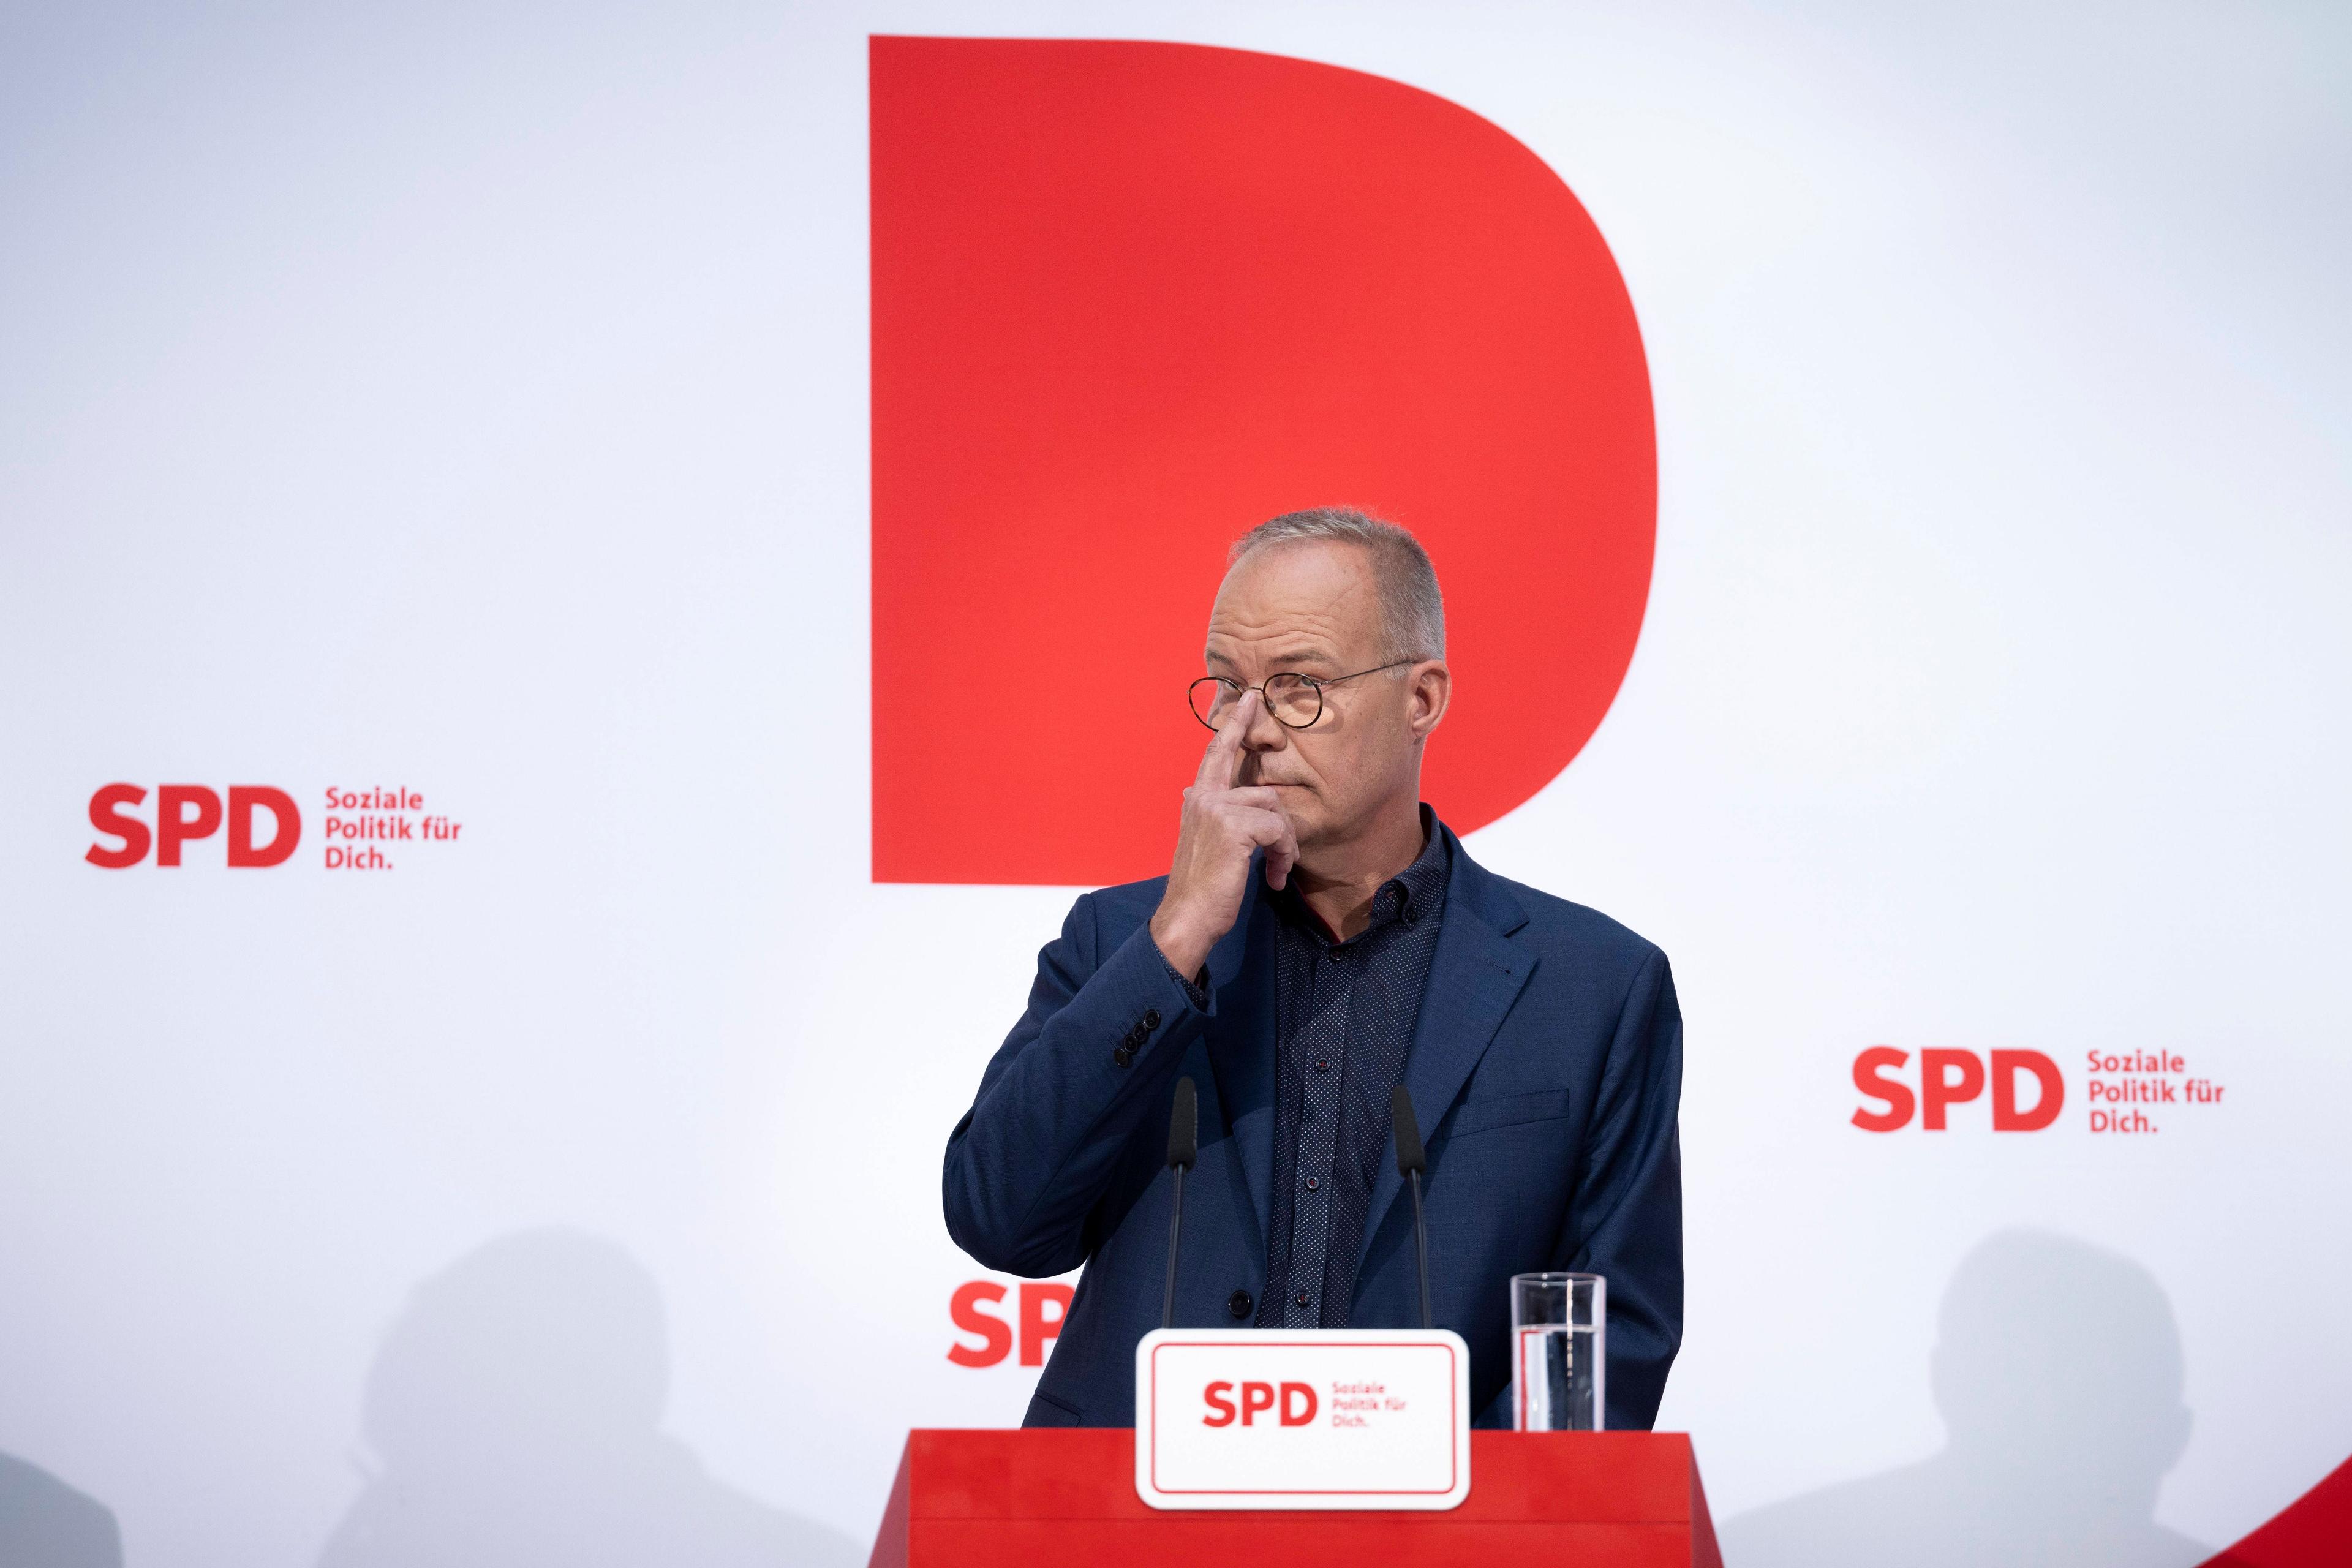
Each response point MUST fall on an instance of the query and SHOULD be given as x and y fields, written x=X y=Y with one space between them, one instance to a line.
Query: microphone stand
x=1411 y=1160
x=1420 y=1249
x=1183 y=1149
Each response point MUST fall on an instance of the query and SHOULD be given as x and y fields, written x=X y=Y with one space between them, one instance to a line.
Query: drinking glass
x=1559 y=1338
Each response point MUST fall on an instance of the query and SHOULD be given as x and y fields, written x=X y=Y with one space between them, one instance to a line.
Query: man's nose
x=1266 y=732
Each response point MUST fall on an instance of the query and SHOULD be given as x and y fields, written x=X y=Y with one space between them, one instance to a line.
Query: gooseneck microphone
x=1183 y=1149
x=1411 y=1160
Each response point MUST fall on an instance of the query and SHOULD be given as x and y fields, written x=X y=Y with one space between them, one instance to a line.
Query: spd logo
x=184 y=812
x=1294 y=1404
x=1949 y=1078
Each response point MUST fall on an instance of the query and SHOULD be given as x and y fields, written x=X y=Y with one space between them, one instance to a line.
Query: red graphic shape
x=2309 y=1533
x=1129 y=300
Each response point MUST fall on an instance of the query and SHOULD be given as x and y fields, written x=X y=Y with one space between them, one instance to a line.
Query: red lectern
x=1046 y=1496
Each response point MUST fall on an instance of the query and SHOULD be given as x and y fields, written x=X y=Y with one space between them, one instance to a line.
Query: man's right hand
x=1222 y=826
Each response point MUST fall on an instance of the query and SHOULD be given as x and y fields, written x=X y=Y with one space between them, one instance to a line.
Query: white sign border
x=1146 y=1413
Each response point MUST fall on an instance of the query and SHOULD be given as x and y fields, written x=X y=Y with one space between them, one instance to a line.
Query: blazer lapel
x=1474 y=976
x=1242 y=972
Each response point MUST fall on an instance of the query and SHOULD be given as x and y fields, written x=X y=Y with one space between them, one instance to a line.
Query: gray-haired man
x=1320 y=937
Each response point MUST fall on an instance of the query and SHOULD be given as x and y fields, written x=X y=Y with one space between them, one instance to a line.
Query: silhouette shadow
x=2057 y=1369
x=45 y=1523
x=513 y=1414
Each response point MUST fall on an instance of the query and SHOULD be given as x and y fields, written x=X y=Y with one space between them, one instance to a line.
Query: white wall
x=473 y=401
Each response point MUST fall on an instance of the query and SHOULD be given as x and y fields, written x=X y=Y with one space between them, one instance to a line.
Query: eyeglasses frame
x=1316 y=683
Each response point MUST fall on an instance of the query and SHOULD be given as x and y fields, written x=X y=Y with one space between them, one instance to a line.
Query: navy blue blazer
x=1546 y=1070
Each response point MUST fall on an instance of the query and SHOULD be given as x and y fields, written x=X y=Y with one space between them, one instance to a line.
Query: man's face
x=1314 y=608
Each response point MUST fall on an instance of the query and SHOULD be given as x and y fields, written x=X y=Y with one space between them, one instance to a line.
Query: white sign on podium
x=1300 y=1418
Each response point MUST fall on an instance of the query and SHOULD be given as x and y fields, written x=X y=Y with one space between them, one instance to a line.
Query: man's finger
x=1268 y=830
x=1223 y=760
x=1257 y=797
x=1281 y=855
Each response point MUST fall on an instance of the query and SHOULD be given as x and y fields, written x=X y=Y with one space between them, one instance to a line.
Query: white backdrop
x=475 y=404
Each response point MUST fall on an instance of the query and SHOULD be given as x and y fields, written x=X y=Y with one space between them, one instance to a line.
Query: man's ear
x=1430 y=689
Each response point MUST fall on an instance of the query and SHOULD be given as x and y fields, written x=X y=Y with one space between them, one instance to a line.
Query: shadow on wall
x=513 y=1415
x=2057 y=1369
x=45 y=1523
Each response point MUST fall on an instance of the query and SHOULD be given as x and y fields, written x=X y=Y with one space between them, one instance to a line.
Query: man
x=1321 y=937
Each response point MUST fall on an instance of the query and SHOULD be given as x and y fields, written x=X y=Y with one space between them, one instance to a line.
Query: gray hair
x=1412 y=612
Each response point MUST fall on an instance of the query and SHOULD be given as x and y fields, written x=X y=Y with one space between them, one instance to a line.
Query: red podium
x=1046 y=1497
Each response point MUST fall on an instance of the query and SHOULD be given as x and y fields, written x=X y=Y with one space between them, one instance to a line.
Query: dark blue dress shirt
x=1345 y=1013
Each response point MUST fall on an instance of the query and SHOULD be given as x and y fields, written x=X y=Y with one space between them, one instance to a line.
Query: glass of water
x=1558 y=1334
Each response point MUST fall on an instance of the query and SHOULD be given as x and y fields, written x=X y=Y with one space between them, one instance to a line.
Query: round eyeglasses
x=1295 y=700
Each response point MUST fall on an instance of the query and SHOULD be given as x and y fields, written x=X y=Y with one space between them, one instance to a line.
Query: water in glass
x=1558 y=1382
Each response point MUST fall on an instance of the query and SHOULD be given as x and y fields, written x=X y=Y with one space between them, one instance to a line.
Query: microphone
x=1183 y=1150
x=1411 y=1160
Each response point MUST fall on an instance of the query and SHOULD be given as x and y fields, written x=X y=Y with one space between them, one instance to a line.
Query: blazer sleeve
x=1085 y=1071
x=1626 y=1220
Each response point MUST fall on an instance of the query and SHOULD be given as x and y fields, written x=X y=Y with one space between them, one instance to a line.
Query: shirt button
x=1304 y=1300
x=1314 y=1184
x=1322 y=1064
x=1239 y=1303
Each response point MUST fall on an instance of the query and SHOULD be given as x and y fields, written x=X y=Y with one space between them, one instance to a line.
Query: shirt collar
x=1412 y=895
x=1421 y=885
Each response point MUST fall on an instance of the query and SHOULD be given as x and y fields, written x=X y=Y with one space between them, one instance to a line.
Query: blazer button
x=1239 y=1303
x=1122 y=1055
x=1151 y=1017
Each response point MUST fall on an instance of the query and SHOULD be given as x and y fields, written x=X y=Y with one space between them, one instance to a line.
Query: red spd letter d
x=286 y=829
x=2006 y=1117
x=1297 y=1405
